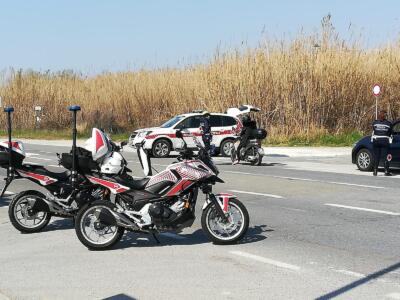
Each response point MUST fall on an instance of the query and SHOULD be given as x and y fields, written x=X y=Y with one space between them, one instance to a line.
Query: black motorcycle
x=252 y=152
x=30 y=211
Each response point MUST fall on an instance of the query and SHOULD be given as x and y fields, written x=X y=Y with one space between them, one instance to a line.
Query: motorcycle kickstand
x=3 y=190
x=155 y=237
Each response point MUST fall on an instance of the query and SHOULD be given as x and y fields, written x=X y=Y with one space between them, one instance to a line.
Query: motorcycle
x=161 y=203
x=30 y=211
x=252 y=152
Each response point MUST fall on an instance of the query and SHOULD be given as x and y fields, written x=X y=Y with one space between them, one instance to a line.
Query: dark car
x=362 y=154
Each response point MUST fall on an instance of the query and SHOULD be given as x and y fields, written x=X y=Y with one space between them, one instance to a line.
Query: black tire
x=257 y=161
x=236 y=238
x=79 y=230
x=161 y=148
x=14 y=206
x=365 y=160
x=224 y=148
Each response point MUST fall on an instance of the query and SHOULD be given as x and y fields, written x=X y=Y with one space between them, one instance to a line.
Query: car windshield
x=171 y=122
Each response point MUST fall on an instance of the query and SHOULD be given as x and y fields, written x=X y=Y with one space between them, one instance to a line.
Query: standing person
x=205 y=128
x=381 y=139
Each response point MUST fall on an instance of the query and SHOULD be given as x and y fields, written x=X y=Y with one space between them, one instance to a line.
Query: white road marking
x=265 y=260
x=40 y=158
x=393 y=296
x=29 y=154
x=350 y=273
x=364 y=209
x=258 y=194
x=307 y=179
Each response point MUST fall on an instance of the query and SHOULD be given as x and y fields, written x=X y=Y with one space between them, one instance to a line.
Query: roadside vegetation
x=313 y=90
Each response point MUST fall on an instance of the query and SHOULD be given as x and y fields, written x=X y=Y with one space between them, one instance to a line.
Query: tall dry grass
x=314 y=84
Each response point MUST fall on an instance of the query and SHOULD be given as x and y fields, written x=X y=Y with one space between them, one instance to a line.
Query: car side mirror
x=179 y=134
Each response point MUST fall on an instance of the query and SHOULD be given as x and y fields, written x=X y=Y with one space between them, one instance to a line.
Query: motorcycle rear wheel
x=224 y=233
x=21 y=217
x=91 y=232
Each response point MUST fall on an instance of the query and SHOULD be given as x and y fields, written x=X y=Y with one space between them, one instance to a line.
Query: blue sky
x=95 y=35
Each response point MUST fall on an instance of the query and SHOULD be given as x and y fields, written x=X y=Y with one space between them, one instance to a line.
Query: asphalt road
x=319 y=229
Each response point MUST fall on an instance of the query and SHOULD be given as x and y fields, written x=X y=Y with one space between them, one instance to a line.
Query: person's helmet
x=246 y=118
x=205 y=114
x=112 y=164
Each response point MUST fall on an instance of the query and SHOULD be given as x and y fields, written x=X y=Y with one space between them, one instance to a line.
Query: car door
x=216 y=128
x=395 y=146
x=190 y=127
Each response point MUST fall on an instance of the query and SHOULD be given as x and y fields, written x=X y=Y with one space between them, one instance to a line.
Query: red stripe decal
x=45 y=180
x=114 y=187
x=179 y=187
x=99 y=140
x=226 y=201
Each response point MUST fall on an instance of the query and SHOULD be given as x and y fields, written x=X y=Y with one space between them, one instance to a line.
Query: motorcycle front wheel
x=94 y=234
x=228 y=231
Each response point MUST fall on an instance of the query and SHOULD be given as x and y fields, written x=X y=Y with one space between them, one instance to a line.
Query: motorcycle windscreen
x=99 y=145
x=144 y=159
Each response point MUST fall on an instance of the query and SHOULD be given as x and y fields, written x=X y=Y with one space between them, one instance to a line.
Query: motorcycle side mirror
x=179 y=134
x=124 y=143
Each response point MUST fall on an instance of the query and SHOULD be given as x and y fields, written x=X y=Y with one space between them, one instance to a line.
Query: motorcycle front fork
x=210 y=198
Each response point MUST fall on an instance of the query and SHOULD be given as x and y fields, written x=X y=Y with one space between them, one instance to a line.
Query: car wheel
x=226 y=148
x=365 y=160
x=161 y=148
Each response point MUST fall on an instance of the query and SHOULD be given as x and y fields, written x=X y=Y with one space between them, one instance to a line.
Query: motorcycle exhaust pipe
x=111 y=218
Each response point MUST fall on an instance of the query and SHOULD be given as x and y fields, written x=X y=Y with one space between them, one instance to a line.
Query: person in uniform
x=205 y=128
x=381 y=140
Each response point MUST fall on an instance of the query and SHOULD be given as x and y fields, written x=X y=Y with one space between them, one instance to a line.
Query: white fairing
x=112 y=164
x=244 y=109
x=144 y=161
x=98 y=144
x=17 y=146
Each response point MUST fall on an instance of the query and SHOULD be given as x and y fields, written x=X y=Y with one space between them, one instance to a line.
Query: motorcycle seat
x=62 y=176
x=135 y=184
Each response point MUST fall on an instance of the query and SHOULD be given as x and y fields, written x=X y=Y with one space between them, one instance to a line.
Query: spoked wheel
x=256 y=157
x=161 y=148
x=365 y=160
x=226 y=148
x=92 y=232
x=229 y=231
x=23 y=217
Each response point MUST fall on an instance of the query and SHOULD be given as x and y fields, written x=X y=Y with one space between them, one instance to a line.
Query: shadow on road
x=5 y=201
x=60 y=224
x=120 y=297
x=359 y=282
x=254 y=234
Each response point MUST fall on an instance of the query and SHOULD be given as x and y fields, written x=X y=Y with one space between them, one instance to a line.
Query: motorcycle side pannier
x=18 y=154
x=260 y=134
x=5 y=162
x=84 y=160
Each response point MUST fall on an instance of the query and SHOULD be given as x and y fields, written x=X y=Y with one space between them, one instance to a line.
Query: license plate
x=261 y=151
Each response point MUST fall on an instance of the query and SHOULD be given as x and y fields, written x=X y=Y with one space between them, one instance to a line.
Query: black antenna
x=9 y=110
x=10 y=169
x=74 y=109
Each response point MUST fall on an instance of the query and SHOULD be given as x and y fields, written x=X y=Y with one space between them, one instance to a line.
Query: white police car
x=162 y=140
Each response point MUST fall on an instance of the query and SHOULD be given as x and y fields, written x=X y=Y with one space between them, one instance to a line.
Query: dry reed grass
x=311 y=85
